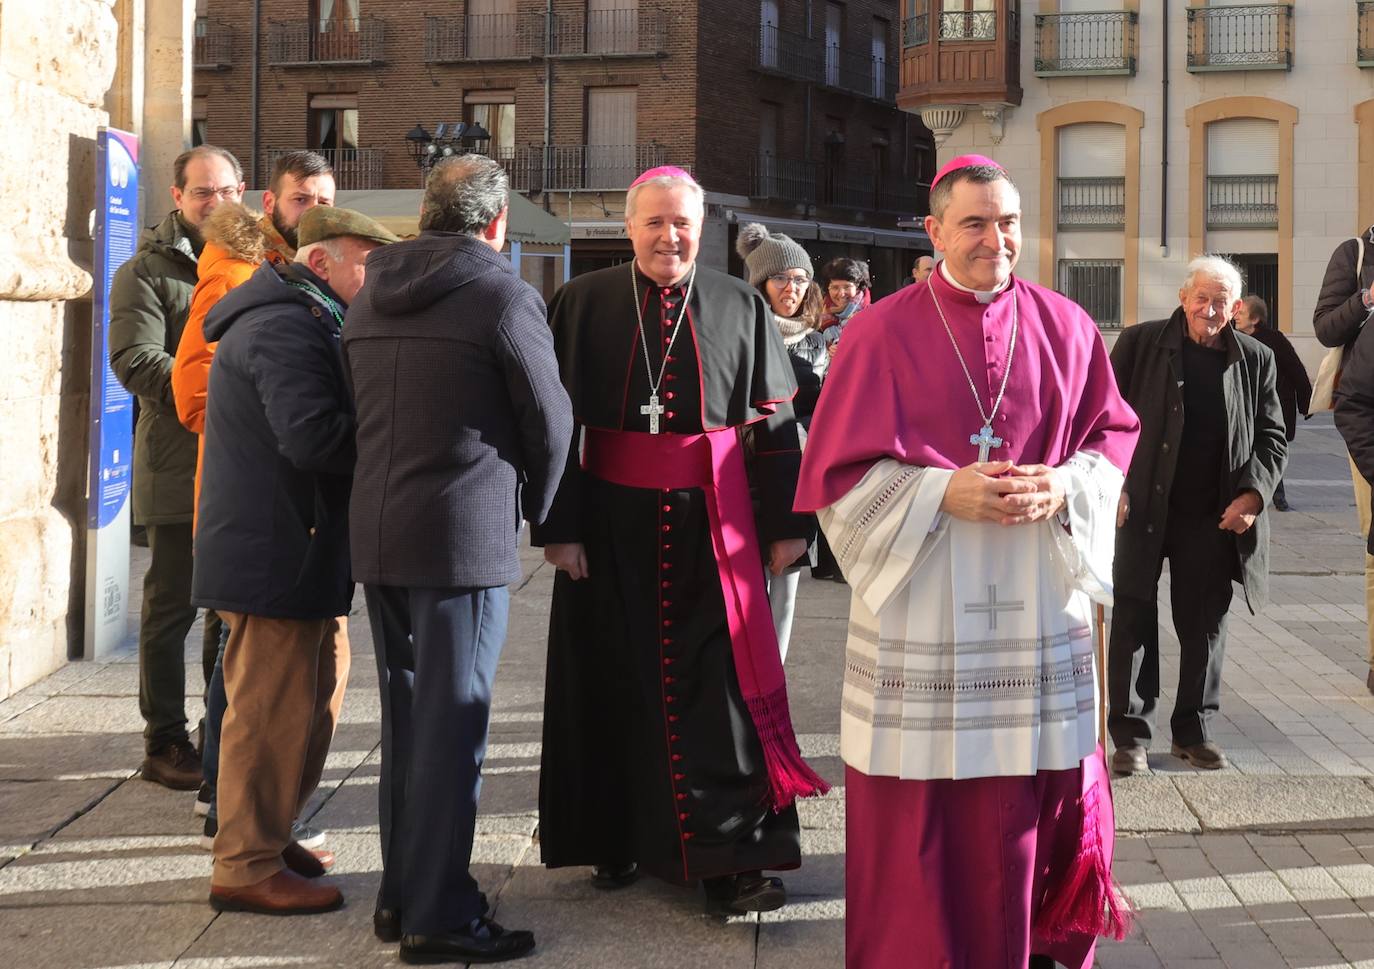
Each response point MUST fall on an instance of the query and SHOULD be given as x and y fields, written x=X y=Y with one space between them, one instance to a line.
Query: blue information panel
x=111 y=442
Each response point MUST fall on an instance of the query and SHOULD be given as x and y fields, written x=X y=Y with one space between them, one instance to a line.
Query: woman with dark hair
x=781 y=270
x=847 y=286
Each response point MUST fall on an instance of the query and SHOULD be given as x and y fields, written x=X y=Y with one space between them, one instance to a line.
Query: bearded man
x=668 y=746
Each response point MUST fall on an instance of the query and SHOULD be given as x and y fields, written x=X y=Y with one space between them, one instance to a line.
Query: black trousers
x=1202 y=560
x=437 y=651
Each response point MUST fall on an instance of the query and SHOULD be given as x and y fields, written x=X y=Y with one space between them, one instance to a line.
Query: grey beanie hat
x=764 y=254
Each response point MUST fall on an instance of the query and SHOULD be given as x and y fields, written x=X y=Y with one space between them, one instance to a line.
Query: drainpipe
x=548 y=101
x=255 y=93
x=1164 y=139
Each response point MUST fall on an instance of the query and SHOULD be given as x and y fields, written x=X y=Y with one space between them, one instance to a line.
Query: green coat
x=149 y=300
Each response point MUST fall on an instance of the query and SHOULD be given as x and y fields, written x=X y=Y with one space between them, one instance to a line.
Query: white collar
x=983 y=296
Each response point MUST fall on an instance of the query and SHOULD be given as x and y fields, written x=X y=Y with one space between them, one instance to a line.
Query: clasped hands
x=1003 y=493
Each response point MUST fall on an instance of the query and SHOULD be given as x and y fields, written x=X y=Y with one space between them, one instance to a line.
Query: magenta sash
x=714 y=462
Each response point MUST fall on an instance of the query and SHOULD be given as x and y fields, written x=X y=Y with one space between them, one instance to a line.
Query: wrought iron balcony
x=354 y=168
x=213 y=47
x=636 y=32
x=573 y=168
x=304 y=43
x=1364 y=42
x=815 y=183
x=968 y=25
x=1242 y=201
x=1091 y=203
x=484 y=37
x=916 y=30
x=1254 y=37
x=1085 y=43
x=811 y=59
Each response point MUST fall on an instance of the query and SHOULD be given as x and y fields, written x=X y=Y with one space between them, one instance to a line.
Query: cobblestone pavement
x=1270 y=863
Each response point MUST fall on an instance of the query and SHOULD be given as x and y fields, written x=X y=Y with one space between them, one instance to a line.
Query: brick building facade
x=784 y=109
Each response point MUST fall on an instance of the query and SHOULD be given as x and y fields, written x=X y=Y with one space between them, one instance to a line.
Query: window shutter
x=1092 y=150
x=1243 y=146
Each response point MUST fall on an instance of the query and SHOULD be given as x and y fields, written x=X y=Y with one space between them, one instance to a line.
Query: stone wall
x=64 y=67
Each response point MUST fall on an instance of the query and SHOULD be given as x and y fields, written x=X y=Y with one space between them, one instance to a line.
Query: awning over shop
x=832 y=232
x=399 y=210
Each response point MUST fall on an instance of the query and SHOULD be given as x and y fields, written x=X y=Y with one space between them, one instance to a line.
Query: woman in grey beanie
x=781 y=269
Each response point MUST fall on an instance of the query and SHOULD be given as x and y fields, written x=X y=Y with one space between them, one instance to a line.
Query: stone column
x=63 y=67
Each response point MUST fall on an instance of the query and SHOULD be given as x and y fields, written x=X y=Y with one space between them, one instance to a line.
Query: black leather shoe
x=1203 y=756
x=746 y=892
x=386 y=924
x=1369 y=680
x=1130 y=760
x=483 y=941
x=610 y=877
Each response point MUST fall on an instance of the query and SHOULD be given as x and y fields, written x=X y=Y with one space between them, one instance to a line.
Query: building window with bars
x=1095 y=285
x=334 y=124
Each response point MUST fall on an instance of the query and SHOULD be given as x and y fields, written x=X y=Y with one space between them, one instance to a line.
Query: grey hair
x=1211 y=265
x=1257 y=308
x=978 y=174
x=465 y=194
x=665 y=182
x=333 y=248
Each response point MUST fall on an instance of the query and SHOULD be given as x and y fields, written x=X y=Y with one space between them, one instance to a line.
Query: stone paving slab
x=1146 y=803
x=33 y=810
x=1279 y=803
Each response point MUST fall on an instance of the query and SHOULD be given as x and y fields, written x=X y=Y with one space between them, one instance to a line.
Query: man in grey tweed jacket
x=463 y=430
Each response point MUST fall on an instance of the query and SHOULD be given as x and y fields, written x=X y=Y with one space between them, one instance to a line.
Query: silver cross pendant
x=984 y=439
x=653 y=408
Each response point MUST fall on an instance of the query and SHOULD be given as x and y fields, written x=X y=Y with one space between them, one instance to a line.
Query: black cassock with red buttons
x=649 y=752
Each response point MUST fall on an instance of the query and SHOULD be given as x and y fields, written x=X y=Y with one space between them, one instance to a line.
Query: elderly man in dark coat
x=1211 y=450
x=272 y=553
x=463 y=430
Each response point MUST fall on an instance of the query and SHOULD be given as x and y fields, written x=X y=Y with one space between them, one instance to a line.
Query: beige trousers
x=285 y=680
x=1362 y=506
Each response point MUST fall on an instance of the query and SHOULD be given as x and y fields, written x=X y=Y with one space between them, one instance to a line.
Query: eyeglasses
x=784 y=279
x=206 y=194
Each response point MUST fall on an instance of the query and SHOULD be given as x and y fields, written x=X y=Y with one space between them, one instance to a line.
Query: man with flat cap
x=668 y=745
x=272 y=553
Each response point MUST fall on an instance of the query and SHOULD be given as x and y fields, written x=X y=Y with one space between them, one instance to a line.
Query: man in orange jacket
x=237 y=242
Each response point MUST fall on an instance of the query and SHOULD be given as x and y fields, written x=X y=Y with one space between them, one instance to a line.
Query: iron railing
x=1098 y=203
x=213 y=46
x=1085 y=43
x=354 y=168
x=572 y=168
x=815 y=183
x=1242 y=201
x=1240 y=38
x=1095 y=285
x=811 y=59
x=916 y=30
x=968 y=25
x=484 y=37
x=640 y=30
x=1364 y=37
x=296 y=43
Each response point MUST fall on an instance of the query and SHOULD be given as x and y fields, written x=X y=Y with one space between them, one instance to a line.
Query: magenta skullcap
x=664 y=171
x=965 y=161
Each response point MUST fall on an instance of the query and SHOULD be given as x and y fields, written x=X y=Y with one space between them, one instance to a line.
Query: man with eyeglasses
x=149 y=301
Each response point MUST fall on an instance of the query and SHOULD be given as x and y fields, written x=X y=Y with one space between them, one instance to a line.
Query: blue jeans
x=437 y=651
x=216 y=702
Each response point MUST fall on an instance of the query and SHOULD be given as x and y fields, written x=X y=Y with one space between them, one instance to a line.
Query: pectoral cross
x=984 y=439
x=653 y=408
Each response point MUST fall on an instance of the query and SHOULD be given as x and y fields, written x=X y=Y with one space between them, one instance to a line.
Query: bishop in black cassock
x=653 y=754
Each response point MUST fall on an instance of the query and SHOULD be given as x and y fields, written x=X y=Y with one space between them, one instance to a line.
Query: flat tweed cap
x=327 y=222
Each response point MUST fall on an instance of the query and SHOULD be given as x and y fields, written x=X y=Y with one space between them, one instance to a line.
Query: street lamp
x=449 y=140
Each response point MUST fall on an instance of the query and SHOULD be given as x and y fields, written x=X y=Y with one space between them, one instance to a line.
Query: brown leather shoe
x=1204 y=756
x=285 y=893
x=307 y=863
x=1128 y=760
x=175 y=766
